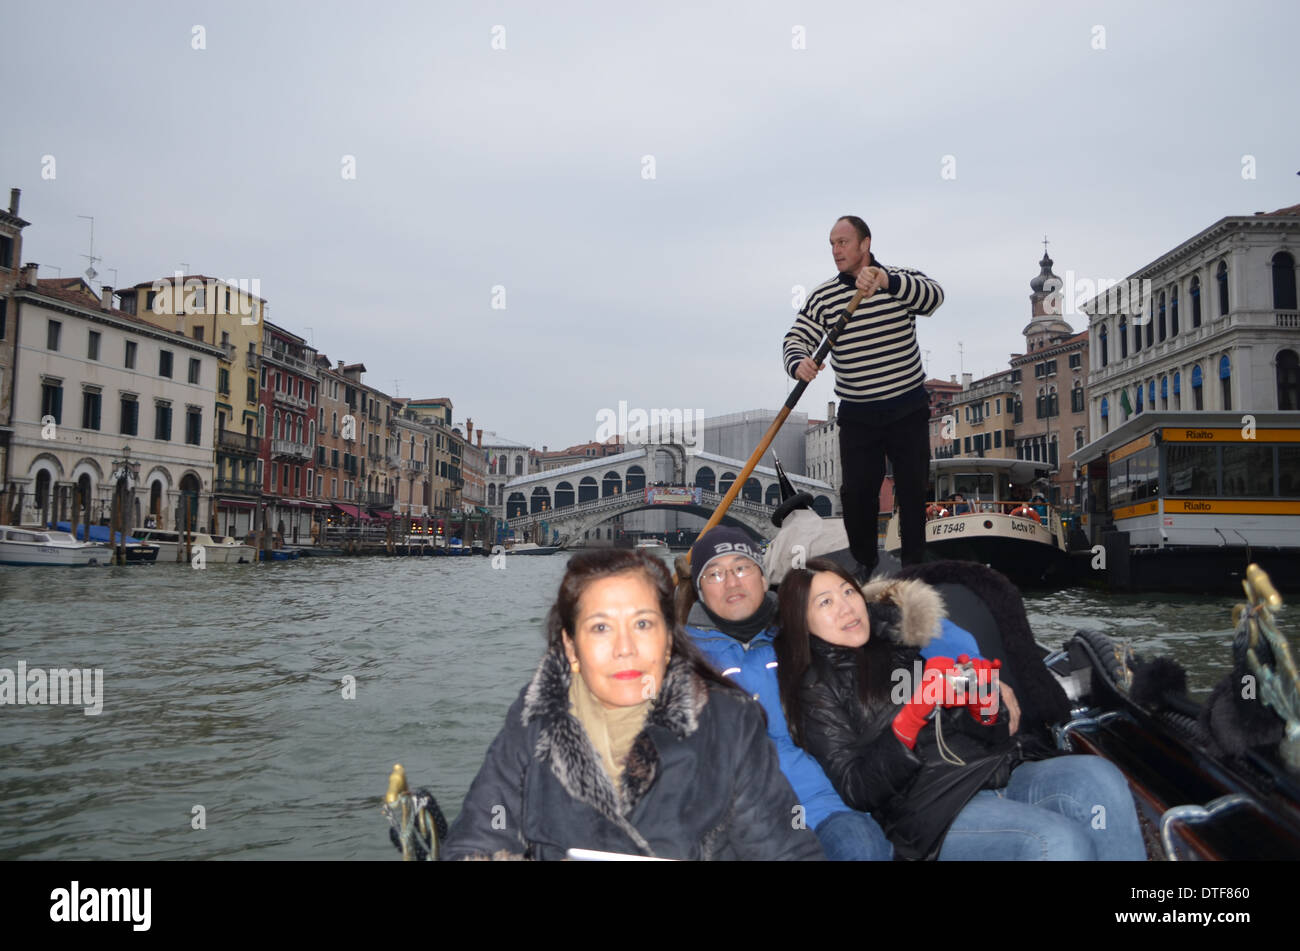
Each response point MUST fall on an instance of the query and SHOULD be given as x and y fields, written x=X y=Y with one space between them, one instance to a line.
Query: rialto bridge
x=575 y=499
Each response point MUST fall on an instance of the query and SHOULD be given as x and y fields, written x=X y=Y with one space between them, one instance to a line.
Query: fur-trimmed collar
x=907 y=612
x=563 y=745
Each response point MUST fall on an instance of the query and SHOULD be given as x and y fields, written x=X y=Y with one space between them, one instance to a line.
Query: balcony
x=236 y=441
x=376 y=499
x=229 y=349
x=297 y=402
x=415 y=465
x=288 y=449
x=375 y=455
x=235 y=487
x=250 y=360
x=393 y=462
x=285 y=358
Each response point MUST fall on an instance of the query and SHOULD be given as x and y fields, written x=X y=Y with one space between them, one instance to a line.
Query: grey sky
x=523 y=168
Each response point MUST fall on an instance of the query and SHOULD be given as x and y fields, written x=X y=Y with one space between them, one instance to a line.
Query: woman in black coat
x=626 y=740
x=938 y=765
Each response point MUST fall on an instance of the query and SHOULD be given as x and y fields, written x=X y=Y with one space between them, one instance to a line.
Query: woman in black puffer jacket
x=627 y=741
x=942 y=780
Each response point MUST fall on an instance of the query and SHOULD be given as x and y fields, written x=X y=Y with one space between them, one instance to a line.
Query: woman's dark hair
x=794 y=653
x=589 y=566
x=858 y=224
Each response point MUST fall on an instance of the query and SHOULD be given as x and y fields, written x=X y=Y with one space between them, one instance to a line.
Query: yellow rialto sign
x=1133 y=511
x=1137 y=445
x=1229 y=435
x=1229 y=507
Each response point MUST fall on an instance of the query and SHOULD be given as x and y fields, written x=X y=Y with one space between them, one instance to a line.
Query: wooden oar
x=682 y=564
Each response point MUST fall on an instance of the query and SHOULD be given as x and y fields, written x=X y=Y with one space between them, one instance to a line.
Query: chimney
x=469 y=430
x=28 y=278
x=480 y=439
x=14 y=195
x=830 y=409
x=953 y=378
x=965 y=381
x=106 y=298
x=543 y=449
x=340 y=367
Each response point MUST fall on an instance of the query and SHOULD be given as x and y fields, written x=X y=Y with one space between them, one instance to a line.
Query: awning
x=235 y=504
x=348 y=510
x=379 y=513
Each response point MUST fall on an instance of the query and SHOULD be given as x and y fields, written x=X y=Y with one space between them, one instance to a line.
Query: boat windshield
x=972 y=486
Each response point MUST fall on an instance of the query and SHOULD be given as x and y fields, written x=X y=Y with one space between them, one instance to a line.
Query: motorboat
x=653 y=546
x=38 y=546
x=137 y=552
x=532 y=548
x=972 y=516
x=217 y=549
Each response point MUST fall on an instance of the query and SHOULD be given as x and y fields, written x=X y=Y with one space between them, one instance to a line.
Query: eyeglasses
x=719 y=575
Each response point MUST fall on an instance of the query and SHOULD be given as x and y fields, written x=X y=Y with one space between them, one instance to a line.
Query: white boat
x=23 y=546
x=218 y=549
x=653 y=546
x=532 y=548
x=971 y=517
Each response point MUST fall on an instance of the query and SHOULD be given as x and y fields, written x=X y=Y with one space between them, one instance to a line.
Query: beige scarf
x=612 y=732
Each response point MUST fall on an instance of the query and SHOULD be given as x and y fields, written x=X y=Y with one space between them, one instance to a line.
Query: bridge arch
x=588 y=491
x=563 y=495
x=540 y=500
x=705 y=478
x=516 y=505
x=611 y=484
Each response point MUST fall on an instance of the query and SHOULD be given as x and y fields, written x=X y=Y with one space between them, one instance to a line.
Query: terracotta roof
x=203 y=278
x=65 y=289
x=1293 y=210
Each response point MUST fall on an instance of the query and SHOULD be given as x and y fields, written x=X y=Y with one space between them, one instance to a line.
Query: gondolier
x=884 y=409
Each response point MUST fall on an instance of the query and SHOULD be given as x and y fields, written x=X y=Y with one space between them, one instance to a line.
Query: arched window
x=1221 y=275
x=1103 y=344
x=1288 y=380
x=278 y=431
x=1137 y=333
x=1225 y=380
x=1178 y=397
x=519 y=465
x=1161 y=318
x=1123 y=337
x=1151 y=394
x=1284 y=297
x=1164 y=392
x=1195 y=291
x=1151 y=323
x=1198 y=397
x=1173 y=312
x=1138 y=407
x=492 y=494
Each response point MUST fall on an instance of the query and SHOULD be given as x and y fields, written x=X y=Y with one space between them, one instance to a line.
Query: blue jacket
x=753 y=667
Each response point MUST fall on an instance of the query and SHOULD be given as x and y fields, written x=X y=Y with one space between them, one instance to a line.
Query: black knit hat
x=723 y=540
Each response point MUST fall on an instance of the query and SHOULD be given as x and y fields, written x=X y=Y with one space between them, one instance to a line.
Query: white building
x=108 y=386
x=822 y=454
x=504 y=460
x=1216 y=329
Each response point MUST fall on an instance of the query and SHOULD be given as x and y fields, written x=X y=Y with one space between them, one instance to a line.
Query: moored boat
x=137 y=552
x=28 y=546
x=973 y=517
x=532 y=548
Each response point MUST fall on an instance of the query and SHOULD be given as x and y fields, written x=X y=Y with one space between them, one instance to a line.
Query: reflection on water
x=223 y=688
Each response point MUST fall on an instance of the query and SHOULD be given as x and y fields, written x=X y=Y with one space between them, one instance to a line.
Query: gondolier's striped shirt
x=876 y=357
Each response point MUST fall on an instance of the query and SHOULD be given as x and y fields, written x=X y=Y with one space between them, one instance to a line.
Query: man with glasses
x=734 y=623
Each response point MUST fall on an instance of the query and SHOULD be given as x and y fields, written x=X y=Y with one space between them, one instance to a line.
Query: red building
x=287 y=414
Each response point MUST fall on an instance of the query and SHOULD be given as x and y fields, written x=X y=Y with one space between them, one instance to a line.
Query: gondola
x=1213 y=781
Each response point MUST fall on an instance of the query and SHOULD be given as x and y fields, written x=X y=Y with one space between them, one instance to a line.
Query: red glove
x=909 y=721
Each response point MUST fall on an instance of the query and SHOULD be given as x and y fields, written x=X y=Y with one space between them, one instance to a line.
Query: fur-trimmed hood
x=565 y=748
x=906 y=612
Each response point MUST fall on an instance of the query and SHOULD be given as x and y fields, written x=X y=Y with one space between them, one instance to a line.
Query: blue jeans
x=853 y=837
x=1065 y=808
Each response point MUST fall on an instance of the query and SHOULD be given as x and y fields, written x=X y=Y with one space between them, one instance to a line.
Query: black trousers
x=863 y=448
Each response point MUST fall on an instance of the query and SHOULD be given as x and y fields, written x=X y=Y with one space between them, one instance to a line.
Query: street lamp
x=124 y=473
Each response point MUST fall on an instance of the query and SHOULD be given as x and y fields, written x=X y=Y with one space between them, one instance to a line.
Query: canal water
x=223 y=697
